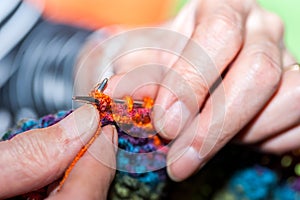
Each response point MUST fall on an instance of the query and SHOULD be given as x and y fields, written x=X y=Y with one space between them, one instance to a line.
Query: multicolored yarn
x=141 y=157
x=257 y=183
x=29 y=124
x=242 y=173
x=142 y=153
x=235 y=173
x=140 y=160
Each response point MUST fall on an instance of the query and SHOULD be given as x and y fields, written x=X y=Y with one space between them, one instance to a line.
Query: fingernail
x=82 y=122
x=181 y=167
x=110 y=132
x=115 y=138
x=171 y=122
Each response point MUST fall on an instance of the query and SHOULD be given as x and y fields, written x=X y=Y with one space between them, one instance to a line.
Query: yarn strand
x=78 y=156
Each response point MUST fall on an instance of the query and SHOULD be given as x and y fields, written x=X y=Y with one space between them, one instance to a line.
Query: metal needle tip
x=86 y=99
x=138 y=103
x=102 y=85
x=91 y=100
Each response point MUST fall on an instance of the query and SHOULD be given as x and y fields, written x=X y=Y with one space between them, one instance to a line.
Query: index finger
x=215 y=42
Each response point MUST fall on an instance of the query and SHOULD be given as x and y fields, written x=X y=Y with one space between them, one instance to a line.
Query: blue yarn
x=253 y=183
x=285 y=192
x=149 y=148
x=47 y=121
x=62 y=113
x=125 y=145
x=140 y=168
x=29 y=124
x=136 y=166
x=150 y=178
x=122 y=161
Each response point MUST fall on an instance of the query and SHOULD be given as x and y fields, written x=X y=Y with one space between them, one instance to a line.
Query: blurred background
x=98 y=13
x=41 y=41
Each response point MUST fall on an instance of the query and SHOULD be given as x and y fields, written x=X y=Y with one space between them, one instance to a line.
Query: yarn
x=141 y=176
x=235 y=173
x=244 y=173
x=141 y=157
x=29 y=124
x=240 y=172
x=257 y=183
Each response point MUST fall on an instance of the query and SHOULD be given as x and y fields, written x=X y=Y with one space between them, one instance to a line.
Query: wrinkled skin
x=256 y=102
x=261 y=102
x=39 y=157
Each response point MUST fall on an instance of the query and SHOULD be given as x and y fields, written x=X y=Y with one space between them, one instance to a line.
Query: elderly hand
x=234 y=82
x=245 y=44
x=39 y=157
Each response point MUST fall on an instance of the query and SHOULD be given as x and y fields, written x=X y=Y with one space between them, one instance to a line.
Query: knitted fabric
x=144 y=181
x=235 y=173
x=242 y=173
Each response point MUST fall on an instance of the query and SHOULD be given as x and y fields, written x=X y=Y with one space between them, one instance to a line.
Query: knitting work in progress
x=141 y=155
x=235 y=173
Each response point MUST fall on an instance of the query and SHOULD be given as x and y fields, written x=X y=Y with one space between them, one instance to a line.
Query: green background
x=289 y=11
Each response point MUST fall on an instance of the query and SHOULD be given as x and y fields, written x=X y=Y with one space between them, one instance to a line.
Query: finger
x=281 y=113
x=38 y=157
x=92 y=175
x=249 y=84
x=215 y=42
x=283 y=142
x=138 y=83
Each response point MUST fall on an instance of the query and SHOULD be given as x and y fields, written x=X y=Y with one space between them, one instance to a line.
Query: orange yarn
x=140 y=116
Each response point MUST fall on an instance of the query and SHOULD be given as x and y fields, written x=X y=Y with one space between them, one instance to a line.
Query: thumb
x=38 y=157
x=93 y=173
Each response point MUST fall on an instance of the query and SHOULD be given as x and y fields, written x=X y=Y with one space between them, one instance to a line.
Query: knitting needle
x=101 y=87
x=86 y=99
x=91 y=100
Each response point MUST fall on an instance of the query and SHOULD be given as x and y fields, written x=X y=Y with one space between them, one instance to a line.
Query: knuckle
x=275 y=20
x=199 y=84
x=225 y=28
x=266 y=63
x=229 y=18
x=199 y=87
x=277 y=26
x=192 y=82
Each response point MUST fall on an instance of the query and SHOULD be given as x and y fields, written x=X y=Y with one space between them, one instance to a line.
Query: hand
x=234 y=41
x=235 y=37
x=39 y=157
x=276 y=127
x=249 y=53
